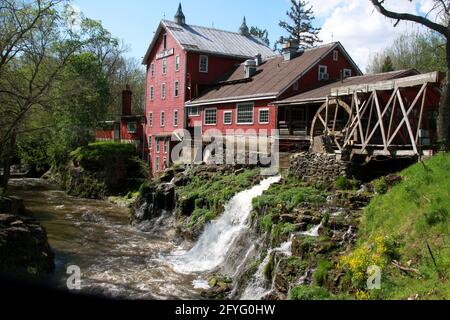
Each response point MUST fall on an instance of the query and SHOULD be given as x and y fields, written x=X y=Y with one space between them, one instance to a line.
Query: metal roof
x=320 y=94
x=212 y=41
x=271 y=79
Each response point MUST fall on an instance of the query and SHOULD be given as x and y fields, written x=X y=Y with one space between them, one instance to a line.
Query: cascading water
x=219 y=236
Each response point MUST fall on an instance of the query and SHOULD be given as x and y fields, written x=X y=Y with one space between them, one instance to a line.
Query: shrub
x=144 y=188
x=321 y=274
x=309 y=293
x=380 y=186
x=266 y=223
x=342 y=183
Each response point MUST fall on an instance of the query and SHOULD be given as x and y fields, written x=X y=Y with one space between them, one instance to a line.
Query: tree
x=299 y=28
x=442 y=9
x=423 y=51
x=387 y=65
x=262 y=34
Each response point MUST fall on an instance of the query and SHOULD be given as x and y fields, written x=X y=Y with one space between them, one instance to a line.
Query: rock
x=12 y=205
x=24 y=247
x=392 y=180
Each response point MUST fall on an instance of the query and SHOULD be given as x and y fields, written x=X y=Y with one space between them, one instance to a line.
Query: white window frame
x=166 y=146
x=176 y=88
x=175 y=118
x=200 y=63
x=197 y=114
x=152 y=70
x=237 y=113
x=336 y=55
x=162 y=119
x=150 y=119
x=177 y=63
x=150 y=143
x=204 y=116
x=164 y=66
x=157 y=164
x=349 y=71
x=268 y=116
x=320 y=73
x=231 y=117
x=152 y=93
x=163 y=90
x=135 y=127
x=158 y=146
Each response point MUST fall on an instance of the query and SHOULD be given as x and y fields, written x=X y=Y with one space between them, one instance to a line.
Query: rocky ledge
x=24 y=247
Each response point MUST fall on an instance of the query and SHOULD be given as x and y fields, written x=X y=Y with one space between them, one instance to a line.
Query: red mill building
x=214 y=79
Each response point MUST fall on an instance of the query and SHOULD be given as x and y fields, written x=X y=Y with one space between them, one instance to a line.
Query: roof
x=212 y=41
x=272 y=78
x=320 y=94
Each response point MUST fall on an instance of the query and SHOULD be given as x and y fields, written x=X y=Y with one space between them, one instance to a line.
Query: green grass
x=309 y=293
x=415 y=215
x=203 y=199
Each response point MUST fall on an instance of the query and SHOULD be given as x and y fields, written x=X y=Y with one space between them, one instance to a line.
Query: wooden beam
x=432 y=77
x=419 y=124
x=406 y=120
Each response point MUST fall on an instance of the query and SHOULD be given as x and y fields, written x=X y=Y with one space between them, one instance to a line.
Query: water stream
x=119 y=261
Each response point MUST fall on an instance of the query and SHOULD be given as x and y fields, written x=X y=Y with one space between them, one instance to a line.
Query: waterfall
x=220 y=235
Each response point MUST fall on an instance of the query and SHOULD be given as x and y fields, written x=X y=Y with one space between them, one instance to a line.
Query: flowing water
x=119 y=261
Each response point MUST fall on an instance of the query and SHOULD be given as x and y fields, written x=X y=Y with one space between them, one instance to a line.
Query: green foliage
x=262 y=34
x=387 y=65
x=144 y=188
x=380 y=186
x=269 y=269
x=342 y=183
x=309 y=293
x=266 y=223
x=321 y=273
x=102 y=152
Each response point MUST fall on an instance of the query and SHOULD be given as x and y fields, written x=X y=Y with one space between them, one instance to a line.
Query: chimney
x=291 y=50
x=179 y=16
x=126 y=101
x=244 y=28
x=250 y=68
x=258 y=59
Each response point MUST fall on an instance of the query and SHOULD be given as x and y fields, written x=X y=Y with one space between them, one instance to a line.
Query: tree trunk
x=443 y=126
x=9 y=154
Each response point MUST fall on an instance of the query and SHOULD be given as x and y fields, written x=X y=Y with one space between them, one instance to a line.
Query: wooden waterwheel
x=331 y=121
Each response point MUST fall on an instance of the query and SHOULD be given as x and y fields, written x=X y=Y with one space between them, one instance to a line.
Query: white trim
x=235 y=100
x=177 y=118
x=320 y=73
x=204 y=117
x=200 y=63
x=177 y=65
x=259 y=116
x=163 y=97
x=228 y=112
x=193 y=115
x=161 y=124
x=150 y=119
x=176 y=87
x=343 y=73
x=164 y=66
x=237 y=114
x=152 y=93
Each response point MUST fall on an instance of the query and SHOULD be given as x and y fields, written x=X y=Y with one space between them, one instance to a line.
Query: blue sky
x=353 y=22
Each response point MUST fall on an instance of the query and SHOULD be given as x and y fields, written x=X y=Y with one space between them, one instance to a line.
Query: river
x=116 y=260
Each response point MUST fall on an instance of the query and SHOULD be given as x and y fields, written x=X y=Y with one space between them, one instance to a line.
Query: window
x=264 y=116
x=347 y=73
x=323 y=73
x=165 y=41
x=164 y=66
x=163 y=91
x=210 y=117
x=150 y=143
x=203 y=64
x=152 y=70
x=166 y=145
x=150 y=119
x=157 y=163
x=132 y=127
x=175 y=118
x=295 y=86
x=163 y=118
x=177 y=63
x=245 y=113
x=176 y=88
x=335 y=55
x=228 y=117
x=194 y=111
x=152 y=93
x=157 y=145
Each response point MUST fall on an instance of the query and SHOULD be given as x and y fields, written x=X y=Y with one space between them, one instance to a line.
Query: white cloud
x=360 y=28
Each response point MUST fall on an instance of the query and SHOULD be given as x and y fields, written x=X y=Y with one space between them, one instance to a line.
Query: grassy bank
x=406 y=233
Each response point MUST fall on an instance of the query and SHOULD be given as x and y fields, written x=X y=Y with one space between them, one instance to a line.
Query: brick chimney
x=126 y=101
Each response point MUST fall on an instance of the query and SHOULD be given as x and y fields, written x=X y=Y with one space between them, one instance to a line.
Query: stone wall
x=311 y=167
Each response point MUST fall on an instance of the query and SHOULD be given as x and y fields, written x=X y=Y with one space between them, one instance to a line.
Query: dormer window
x=335 y=55
x=203 y=64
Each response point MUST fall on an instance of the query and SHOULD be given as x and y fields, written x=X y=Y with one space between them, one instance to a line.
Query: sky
x=355 y=23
